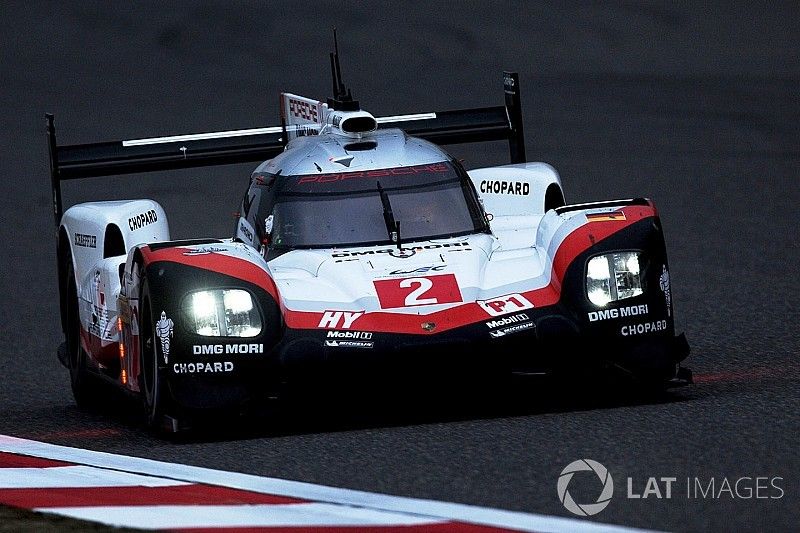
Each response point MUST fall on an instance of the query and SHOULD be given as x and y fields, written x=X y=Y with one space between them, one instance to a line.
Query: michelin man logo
x=164 y=332
x=663 y=282
x=585 y=509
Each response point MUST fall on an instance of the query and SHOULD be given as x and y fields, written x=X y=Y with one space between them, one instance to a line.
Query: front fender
x=638 y=333
x=211 y=371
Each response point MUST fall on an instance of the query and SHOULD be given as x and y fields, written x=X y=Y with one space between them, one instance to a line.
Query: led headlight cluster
x=224 y=313
x=613 y=277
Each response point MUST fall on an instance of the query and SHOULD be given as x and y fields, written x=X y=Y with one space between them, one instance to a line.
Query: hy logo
x=585 y=509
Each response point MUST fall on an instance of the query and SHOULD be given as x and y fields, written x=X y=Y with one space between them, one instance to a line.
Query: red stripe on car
x=215 y=262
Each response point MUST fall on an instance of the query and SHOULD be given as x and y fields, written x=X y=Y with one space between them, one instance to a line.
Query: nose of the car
x=356 y=276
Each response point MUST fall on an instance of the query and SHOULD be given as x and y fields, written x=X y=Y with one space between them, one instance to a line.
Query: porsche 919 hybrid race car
x=360 y=244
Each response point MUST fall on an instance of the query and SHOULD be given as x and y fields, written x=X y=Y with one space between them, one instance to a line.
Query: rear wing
x=76 y=161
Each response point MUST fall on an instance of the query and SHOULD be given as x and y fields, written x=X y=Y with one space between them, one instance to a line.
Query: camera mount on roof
x=342 y=97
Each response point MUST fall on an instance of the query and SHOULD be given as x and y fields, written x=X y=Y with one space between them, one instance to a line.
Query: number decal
x=423 y=286
x=410 y=292
x=502 y=305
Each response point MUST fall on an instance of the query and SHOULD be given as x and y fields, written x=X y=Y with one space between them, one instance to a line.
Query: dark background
x=695 y=105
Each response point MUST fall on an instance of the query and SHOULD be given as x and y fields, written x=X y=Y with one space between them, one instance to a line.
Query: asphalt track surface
x=696 y=106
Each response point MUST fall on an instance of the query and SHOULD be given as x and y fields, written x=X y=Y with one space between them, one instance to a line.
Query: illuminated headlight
x=613 y=277
x=224 y=313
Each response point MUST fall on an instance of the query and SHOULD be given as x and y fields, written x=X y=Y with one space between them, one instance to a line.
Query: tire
x=155 y=398
x=85 y=387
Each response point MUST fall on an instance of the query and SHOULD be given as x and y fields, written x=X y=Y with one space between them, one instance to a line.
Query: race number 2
x=408 y=292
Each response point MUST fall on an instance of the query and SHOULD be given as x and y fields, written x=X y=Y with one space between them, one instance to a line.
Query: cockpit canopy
x=327 y=210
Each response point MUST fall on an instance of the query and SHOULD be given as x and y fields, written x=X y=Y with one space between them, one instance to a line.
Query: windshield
x=332 y=210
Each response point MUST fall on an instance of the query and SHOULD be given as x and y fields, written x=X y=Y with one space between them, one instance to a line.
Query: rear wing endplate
x=76 y=161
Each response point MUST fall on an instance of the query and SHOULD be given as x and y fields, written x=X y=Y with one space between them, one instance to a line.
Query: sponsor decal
x=349 y=344
x=203 y=368
x=85 y=240
x=513 y=319
x=246 y=231
x=643 y=328
x=402 y=253
x=516 y=328
x=409 y=292
x=506 y=187
x=305 y=130
x=303 y=109
x=420 y=270
x=143 y=219
x=164 y=329
x=338 y=319
x=365 y=335
x=508 y=82
x=394 y=252
x=621 y=312
x=379 y=173
x=102 y=323
x=503 y=305
x=227 y=349
x=663 y=282
x=133 y=317
x=204 y=250
x=606 y=217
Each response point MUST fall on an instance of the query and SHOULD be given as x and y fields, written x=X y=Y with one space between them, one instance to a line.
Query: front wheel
x=155 y=398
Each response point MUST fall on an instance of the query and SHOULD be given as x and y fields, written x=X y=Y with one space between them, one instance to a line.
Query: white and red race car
x=361 y=245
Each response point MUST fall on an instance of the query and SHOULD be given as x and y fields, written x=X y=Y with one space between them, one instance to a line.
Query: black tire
x=155 y=398
x=85 y=386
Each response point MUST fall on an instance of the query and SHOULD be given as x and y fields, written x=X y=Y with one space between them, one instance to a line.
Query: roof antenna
x=342 y=97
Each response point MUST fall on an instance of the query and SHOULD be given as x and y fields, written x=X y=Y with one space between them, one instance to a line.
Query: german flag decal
x=606 y=217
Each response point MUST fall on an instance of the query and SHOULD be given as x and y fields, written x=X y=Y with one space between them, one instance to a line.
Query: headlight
x=613 y=277
x=224 y=313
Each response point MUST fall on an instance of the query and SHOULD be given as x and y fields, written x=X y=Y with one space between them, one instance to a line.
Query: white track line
x=264 y=515
x=77 y=476
x=308 y=491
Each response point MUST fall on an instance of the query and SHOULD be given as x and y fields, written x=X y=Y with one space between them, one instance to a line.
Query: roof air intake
x=363 y=124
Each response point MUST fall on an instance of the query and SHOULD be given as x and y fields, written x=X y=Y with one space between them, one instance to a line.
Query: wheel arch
x=113 y=241
x=63 y=256
x=553 y=197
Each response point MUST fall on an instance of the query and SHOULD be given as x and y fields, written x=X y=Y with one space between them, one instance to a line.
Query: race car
x=360 y=246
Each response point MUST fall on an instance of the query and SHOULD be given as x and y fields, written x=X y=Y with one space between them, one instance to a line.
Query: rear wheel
x=85 y=387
